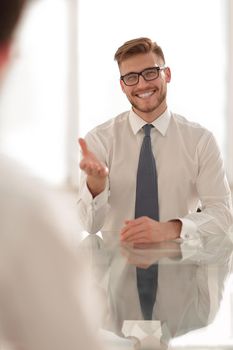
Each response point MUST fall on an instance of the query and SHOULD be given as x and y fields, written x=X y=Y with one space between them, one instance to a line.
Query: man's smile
x=145 y=94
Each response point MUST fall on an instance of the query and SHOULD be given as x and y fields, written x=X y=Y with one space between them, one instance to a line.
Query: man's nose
x=142 y=81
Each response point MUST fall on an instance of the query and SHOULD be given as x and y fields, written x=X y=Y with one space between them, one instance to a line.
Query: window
x=33 y=105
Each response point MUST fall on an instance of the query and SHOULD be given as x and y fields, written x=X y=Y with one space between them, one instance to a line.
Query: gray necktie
x=147 y=205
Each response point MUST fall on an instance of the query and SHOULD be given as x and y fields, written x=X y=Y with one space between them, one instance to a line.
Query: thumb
x=83 y=146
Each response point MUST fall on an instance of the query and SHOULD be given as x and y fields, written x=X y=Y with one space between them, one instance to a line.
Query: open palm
x=90 y=163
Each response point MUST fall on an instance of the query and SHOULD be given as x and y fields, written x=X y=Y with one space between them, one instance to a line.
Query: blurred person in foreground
x=42 y=281
x=188 y=168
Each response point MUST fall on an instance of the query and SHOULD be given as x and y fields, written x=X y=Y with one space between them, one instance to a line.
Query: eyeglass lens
x=148 y=74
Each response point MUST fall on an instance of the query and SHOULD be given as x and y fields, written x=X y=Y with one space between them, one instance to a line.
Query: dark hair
x=10 y=11
x=137 y=46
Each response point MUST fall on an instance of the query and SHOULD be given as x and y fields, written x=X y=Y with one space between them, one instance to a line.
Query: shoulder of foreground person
x=44 y=285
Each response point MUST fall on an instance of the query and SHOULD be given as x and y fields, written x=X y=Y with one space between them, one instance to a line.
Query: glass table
x=193 y=307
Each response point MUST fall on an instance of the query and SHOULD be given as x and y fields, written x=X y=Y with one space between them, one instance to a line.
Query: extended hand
x=89 y=163
x=146 y=230
x=96 y=170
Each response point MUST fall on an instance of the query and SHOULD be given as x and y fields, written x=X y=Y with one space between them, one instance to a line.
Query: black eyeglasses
x=148 y=74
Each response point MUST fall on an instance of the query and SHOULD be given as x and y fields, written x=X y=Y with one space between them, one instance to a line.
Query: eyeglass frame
x=157 y=68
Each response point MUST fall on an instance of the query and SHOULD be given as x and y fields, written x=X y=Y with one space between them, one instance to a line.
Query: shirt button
x=186 y=235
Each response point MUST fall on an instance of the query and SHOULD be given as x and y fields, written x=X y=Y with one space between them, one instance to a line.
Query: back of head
x=10 y=11
x=137 y=46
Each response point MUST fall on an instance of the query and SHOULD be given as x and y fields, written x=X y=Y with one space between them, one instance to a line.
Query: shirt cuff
x=188 y=230
x=191 y=241
x=96 y=202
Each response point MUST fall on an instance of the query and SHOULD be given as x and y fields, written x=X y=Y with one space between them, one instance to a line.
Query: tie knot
x=147 y=129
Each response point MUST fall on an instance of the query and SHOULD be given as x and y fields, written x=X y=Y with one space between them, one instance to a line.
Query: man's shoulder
x=111 y=124
x=187 y=124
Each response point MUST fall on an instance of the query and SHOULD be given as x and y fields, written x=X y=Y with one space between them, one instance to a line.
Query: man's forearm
x=96 y=185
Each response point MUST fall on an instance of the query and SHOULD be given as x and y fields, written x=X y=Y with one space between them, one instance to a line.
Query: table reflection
x=191 y=281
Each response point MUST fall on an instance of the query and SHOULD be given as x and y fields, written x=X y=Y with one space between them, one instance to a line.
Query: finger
x=129 y=224
x=103 y=170
x=130 y=234
x=131 y=227
x=83 y=146
x=98 y=169
x=88 y=167
x=135 y=222
x=139 y=220
x=92 y=168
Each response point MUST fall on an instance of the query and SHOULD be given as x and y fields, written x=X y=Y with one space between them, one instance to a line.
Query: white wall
x=64 y=80
x=193 y=36
x=33 y=104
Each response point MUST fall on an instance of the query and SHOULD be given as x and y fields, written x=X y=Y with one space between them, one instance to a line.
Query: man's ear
x=168 y=74
x=4 y=53
x=122 y=85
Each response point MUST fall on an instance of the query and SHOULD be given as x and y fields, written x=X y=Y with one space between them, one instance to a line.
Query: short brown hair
x=10 y=11
x=136 y=46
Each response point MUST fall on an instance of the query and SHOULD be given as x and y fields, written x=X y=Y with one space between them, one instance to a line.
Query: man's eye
x=131 y=77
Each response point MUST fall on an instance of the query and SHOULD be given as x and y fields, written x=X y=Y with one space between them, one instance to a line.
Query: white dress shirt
x=189 y=168
x=43 y=289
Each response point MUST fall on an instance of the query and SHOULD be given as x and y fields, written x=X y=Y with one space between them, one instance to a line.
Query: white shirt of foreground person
x=43 y=285
x=189 y=167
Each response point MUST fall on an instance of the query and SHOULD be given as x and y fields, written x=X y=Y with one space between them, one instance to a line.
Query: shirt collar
x=161 y=123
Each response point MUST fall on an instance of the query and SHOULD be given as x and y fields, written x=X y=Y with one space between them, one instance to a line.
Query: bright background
x=64 y=81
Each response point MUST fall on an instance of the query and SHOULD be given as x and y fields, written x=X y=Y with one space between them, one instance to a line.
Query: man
x=42 y=286
x=188 y=162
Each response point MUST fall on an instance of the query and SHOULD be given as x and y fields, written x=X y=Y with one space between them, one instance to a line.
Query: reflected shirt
x=190 y=172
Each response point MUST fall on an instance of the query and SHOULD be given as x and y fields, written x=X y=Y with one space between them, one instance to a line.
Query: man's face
x=148 y=98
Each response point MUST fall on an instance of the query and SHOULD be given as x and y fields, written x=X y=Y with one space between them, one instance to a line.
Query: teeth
x=145 y=94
